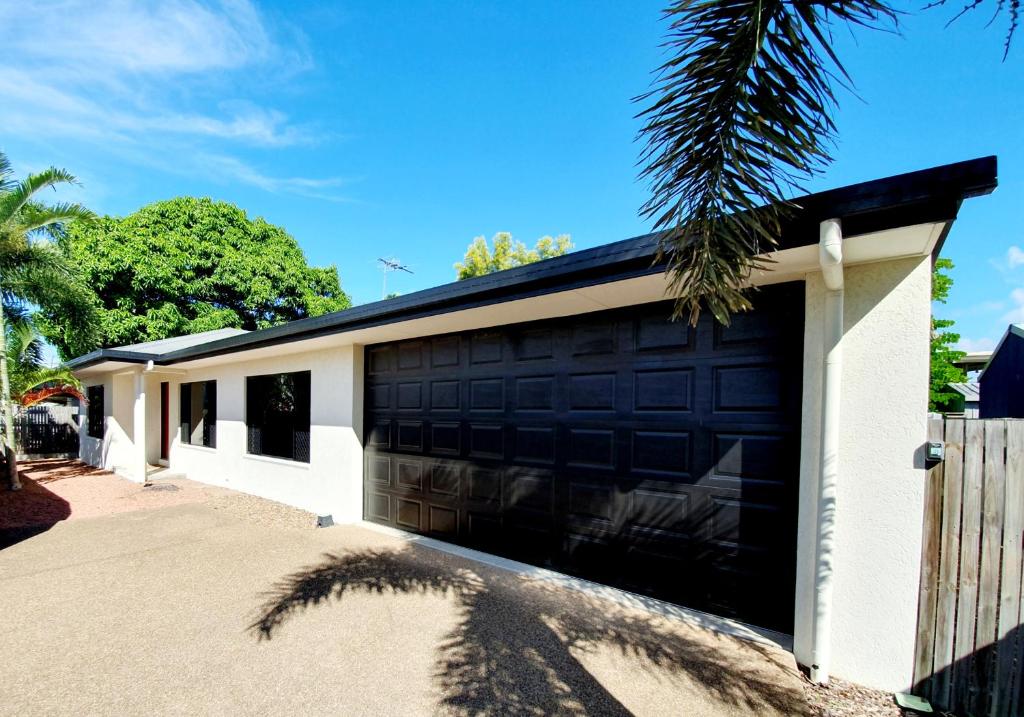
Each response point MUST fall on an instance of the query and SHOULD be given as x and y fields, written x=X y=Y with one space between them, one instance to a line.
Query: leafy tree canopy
x=188 y=265
x=507 y=253
x=942 y=352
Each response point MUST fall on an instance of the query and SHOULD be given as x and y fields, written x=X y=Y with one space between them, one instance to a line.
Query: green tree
x=507 y=253
x=943 y=372
x=188 y=265
x=36 y=273
x=739 y=116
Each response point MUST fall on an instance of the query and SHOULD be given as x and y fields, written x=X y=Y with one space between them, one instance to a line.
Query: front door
x=165 y=422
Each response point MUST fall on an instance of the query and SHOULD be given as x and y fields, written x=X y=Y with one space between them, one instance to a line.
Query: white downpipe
x=830 y=257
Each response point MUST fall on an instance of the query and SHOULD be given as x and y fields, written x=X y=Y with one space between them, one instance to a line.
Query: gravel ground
x=57 y=489
x=259 y=510
x=845 y=699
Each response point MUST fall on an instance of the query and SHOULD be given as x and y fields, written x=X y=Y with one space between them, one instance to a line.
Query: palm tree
x=35 y=271
x=30 y=378
x=739 y=116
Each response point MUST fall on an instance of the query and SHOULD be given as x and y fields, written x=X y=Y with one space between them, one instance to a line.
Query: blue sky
x=408 y=129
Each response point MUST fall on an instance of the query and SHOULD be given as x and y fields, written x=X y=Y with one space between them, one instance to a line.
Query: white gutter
x=830 y=257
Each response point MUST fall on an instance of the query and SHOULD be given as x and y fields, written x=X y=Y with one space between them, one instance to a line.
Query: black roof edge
x=924 y=196
x=101 y=355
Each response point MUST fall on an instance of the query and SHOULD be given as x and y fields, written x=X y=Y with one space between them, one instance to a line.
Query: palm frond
x=45 y=375
x=6 y=173
x=1011 y=8
x=24 y=344
x=35 y=217
x=16 y=197
x=739 y=116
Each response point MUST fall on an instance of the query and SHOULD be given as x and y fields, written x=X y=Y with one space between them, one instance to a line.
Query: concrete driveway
x=189 y=609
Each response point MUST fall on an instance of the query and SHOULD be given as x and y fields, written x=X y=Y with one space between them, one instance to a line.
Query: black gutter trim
x=929 y=195
x=101 y=355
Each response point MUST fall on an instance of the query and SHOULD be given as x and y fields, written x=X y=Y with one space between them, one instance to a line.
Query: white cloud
x=124 y=75
x=969 y=345
x=1016 y=314
x=161 y=36
x=1014 y=257
x=234 y=169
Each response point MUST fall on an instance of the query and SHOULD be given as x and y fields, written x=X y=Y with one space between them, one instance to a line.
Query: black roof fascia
x=100 y=355
x=929 y=195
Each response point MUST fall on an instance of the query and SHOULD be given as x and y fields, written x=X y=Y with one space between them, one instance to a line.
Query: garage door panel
x=534 y=444
x=380 y=470
x=409 y=513
x=664 y=452
x=591 y=448
x=378 y=506
x=445 y=395
x=617 y=445
x=664 y=390
x=529 y=490
x=659 y=514
x=486 y=348
x=591 y=338
x=486 y=440
x=748 y=458
x=444 y=478
x=484 y=485
x=590 y=392
x=534 y=393
x=748 y=389
x=534 y=344
x=379 y=359
x=410 y=436
x=658 y=333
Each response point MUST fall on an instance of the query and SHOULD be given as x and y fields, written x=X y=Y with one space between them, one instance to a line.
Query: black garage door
x=617 y=445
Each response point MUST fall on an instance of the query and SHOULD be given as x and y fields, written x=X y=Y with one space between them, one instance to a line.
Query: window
x=199 y=413
x=277 y=415
x=94 y=412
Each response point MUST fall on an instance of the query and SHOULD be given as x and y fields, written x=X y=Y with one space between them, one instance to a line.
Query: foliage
x=739 y=116
x=507 y=253
x=35 y=271
x=35 y=265
x=189 y=265
x=25 y=366
x=943 y=372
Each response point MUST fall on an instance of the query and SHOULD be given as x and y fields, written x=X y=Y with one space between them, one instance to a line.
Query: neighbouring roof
x=927 y=196
x=1011 y=330
x=970 y=390
x=973 y=360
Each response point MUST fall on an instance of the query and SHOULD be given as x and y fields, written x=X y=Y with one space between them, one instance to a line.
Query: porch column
x=139 y=429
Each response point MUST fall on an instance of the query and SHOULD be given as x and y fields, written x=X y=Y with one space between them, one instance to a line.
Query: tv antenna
x=387 y=266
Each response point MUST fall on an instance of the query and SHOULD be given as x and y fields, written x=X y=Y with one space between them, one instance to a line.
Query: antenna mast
x=387 y=266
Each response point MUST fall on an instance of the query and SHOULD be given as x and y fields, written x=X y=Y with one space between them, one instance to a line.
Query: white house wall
x=331 y=483
x=115 y=451
x=880 y=503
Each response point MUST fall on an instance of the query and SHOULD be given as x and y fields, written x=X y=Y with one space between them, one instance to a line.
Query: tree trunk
x=6 y=408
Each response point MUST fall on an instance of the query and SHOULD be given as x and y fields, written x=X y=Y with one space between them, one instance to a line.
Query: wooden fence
x=970 y=642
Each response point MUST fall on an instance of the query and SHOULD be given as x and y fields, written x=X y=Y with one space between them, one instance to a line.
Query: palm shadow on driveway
x=515 y=647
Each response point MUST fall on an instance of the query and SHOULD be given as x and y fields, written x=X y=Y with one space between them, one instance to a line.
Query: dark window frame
x=278 y=409
x=208 y=396
x=95 y=411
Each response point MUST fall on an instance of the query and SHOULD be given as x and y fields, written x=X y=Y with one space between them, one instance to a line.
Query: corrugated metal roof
x=970 y=390
x=174 y=343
